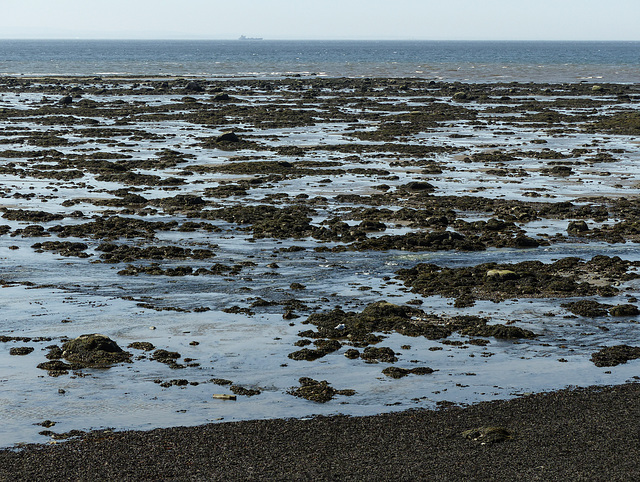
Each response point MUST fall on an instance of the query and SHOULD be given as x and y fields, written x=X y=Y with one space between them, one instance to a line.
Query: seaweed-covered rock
x=167 y=357
x=247 y=392
x=624 y=310
x=94 y=351
x=611 y=356
x=352 y=354
x=397 y=372
x=383 y=354
x=55 y=352
x=21 y=350
x=531 y=279
x=588 y=308
x=141 y=345
x=316 y=391
x=55 y=367
x=498 y=331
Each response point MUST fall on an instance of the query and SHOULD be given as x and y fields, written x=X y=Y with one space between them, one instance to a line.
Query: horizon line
x=260 y=39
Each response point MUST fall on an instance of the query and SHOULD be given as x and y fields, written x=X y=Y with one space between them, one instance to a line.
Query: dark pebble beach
x=574 y=434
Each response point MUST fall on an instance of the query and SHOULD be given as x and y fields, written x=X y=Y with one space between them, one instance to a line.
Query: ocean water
x=440 y=60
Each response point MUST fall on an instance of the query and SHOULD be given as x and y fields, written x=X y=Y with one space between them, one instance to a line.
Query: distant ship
x=242 y=37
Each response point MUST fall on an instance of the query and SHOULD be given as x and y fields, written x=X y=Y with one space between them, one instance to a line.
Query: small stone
x=487 y=435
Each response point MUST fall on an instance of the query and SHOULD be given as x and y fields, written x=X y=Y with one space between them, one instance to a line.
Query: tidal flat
x=309 y=246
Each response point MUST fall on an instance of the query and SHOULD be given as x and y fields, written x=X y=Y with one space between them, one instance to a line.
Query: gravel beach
x=581 y=434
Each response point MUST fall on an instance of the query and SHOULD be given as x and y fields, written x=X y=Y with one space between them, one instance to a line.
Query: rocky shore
x=189 y=250
x=582 y=434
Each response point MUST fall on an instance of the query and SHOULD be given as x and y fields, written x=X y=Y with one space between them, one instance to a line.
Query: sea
x=464 y=61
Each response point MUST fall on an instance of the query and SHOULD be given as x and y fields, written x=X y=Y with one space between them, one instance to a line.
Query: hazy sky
x=324 y=19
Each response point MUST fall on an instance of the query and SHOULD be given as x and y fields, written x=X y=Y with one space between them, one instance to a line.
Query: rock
x=219 y=97
x=419 y=186
x=21 y=350
x=141 y=345
x=167 y=357
x=221 y=381
x=316 y=391
x=588 y=308
x=352 y=354
x=55 y=367
x=503 y=274
x=383 y=354
x=194 y=87
x=577 y=227
x=306 y=354
x=487 y=435
x=247 y=392
x=611 y=356
x=66 y=100
x=624 y=310
x=395 y=372
x=94 y=351
x=228 y=136
x=498 y=331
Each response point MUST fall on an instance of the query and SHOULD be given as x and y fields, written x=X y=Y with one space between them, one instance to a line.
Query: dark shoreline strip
x=581 y=434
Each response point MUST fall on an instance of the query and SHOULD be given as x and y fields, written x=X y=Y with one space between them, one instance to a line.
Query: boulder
x=228 y=136
x=194 y=87
x=94 y=351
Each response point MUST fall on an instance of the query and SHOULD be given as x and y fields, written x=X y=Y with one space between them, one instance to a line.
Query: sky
x=323 y=19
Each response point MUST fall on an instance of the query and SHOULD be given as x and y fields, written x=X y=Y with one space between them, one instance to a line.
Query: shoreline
x=571 y=434
x=428 y=243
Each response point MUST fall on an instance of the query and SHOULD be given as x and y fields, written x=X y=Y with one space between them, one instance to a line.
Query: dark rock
x=221 y=381
x=316 y=391
x=55 y=352
x=247 y=392
x=306 y=354
x=21 y=350
x=352 y=353
x=167 y=357
x=228 y=136
x=488 y=435
x=624 y=310
x=141 y=345
x=396 y=372
x=194 y=87
x=383 y=354
x=94 y=351
x=498 y=331
x=588 y=308
x=56 y=366
x=611 y=356
x=577 y=227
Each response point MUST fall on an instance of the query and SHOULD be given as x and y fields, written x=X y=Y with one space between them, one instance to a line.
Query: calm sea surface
x=450 y=61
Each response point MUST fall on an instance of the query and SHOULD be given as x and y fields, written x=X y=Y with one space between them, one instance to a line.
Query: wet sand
x=584 y=434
